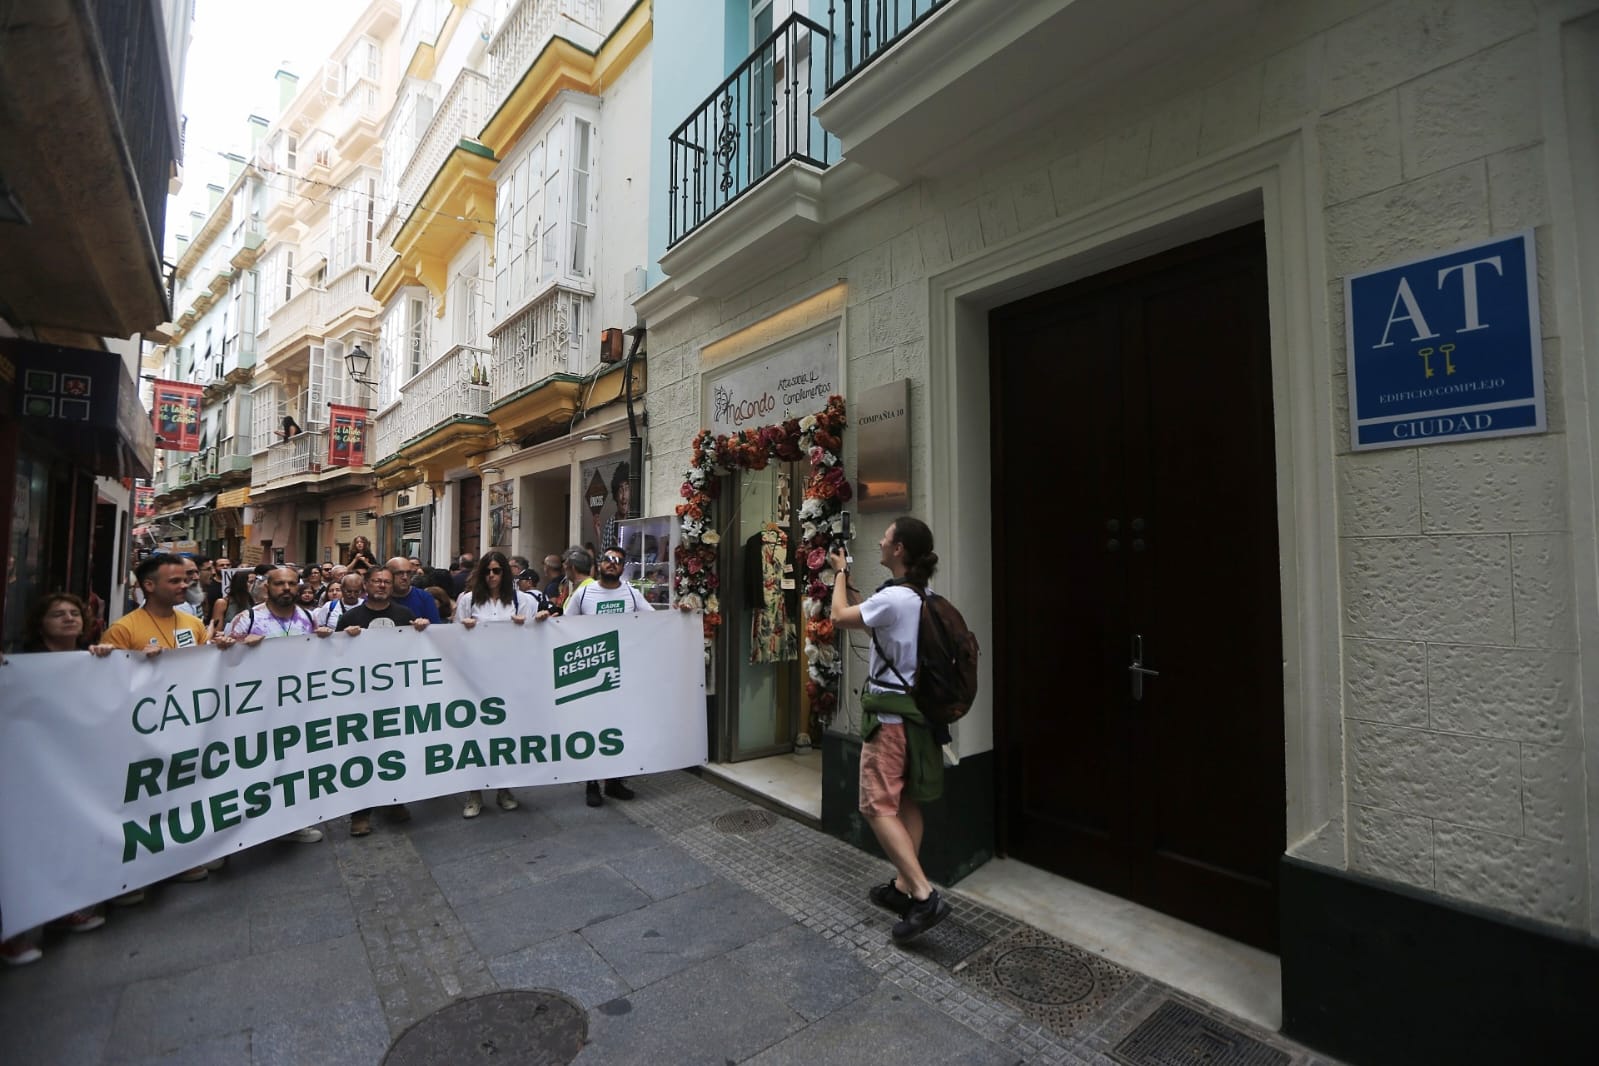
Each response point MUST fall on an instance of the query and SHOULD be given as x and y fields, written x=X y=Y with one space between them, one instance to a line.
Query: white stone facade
x=1435 y=599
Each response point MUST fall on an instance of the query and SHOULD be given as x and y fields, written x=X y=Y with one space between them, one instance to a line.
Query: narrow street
x=687 y=925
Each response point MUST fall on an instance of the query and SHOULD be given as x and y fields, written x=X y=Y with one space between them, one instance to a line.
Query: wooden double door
x=1138 y=645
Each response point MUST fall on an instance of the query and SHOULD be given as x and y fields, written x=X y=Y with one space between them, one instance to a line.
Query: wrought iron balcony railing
x=861 y=30
x=756 y=121
x=544 y=339
x=455 y=386
x=303 y=453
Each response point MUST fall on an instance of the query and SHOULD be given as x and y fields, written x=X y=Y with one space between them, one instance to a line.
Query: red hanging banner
x=177 y=416
x=144 y=501
x=346 y=435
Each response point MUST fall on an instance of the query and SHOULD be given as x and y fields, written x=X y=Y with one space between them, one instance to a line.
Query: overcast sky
x=238 y=45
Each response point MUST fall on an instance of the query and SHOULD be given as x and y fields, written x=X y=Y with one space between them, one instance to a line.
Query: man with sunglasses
x=606 y=594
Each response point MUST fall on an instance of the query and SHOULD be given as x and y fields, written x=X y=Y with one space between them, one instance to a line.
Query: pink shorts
x=883 y=771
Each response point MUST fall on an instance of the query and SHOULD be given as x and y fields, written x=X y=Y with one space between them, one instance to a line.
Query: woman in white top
x=491 y=596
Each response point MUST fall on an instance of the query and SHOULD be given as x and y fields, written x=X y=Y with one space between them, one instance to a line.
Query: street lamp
x=359 y=364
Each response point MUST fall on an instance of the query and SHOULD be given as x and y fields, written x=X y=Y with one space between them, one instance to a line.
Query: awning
x=200 y=503
x=234 y=497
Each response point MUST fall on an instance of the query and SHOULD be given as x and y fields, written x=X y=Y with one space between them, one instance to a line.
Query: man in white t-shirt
x=606 y=594
x=901 y=765
x=350 y=590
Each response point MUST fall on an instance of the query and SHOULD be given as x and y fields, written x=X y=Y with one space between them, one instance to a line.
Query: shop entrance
x=763 y=672
x=1138 y=628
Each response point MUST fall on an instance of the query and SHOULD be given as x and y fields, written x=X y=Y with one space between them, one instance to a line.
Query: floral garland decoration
x=818 y=439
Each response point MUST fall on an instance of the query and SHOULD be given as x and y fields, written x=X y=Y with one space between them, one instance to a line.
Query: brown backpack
x=946 y=663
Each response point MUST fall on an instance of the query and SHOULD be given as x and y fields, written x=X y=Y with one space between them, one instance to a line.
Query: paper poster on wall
x=500 y=497
x=605 y=498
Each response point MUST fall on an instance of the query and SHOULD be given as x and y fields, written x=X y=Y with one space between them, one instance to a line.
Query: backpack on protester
x=946 y=663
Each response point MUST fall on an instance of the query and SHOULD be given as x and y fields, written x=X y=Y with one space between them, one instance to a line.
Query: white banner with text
x=119 y=772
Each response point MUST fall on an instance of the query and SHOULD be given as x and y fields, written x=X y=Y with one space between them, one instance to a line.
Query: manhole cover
x=1176 y=1035
x=1048 y=980
x=748 y=820
x=503 y=1028
x=1043 y=975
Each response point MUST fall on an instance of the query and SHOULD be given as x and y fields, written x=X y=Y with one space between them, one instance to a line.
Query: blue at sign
x=1446 y=348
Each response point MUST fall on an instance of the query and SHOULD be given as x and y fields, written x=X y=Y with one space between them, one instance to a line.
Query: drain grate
x=748 y=820
x=1048 y=980
x=1176 y=1035
x=539 y=1028
x=1044 y=975
x=948 y=943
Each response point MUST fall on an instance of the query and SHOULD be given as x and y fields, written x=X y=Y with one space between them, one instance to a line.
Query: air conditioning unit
x=611 y=346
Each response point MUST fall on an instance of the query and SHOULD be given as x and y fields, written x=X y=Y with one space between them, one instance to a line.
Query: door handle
x=1137 y=670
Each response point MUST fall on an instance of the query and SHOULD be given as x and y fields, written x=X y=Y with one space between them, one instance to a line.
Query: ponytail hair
x=921 y=561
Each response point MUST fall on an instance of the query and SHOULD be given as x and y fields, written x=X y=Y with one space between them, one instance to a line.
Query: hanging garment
x=772 y=634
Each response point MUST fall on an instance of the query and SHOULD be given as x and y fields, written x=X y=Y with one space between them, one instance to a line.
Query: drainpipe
x=635 y=443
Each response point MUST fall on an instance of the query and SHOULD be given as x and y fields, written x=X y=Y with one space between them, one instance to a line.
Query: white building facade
x=1106 y=251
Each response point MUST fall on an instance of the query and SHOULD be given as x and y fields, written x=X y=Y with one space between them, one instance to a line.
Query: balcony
x=528 y=28
x=244 y=248
x=359 y=119
x=926 y=88
x=753 y=155
x=543 y=340
x=349 y=294
x=422 y=28
x=861 y=30
x=453 y=389
x=297 y=320
x=753 y=123
x=461 y=114
x=91 y=137
x=301 y=454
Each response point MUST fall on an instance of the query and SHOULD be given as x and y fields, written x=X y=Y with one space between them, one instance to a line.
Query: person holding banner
x=56 y=624
x=158 y=625
x=491 y=597
x=609 y=594
x=282 y=617
x=377 y=612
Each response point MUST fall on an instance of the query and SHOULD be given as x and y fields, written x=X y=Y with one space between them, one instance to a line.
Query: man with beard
x=194 y=602
x=607 y=594
x=378 y=612
x=279 y=616
x=415 y=600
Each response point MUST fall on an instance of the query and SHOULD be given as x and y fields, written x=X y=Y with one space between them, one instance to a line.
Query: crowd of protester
x=179 y=601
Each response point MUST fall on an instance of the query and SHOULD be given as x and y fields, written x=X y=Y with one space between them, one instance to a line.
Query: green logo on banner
x=588 y=667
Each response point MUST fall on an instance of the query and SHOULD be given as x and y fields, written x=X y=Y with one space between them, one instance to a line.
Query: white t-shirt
x=894 y=615
x=494 y=610
x=595 y=598
x=329 y=613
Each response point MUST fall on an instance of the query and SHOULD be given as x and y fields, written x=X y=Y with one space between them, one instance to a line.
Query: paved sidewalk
x=689 y=926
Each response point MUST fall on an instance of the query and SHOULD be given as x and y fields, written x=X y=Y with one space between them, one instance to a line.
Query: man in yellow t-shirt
x=156 y=626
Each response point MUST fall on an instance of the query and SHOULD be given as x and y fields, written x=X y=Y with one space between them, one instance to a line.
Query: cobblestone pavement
x=690 y=926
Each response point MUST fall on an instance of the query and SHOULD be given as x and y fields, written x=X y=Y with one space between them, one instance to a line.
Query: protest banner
x=122 y=771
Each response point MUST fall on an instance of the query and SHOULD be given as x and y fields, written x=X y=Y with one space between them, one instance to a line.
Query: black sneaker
x=922 y=916
x=592 y=794
x=890 y=898
x=617 y=789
